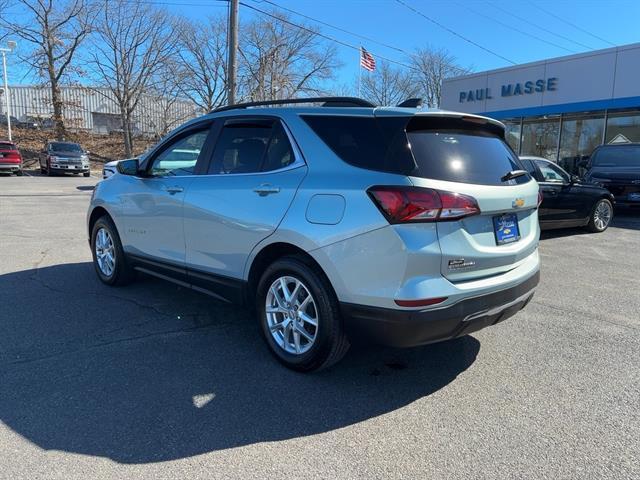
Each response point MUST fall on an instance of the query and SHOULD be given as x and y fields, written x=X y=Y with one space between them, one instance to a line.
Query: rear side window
x=365 y=142
x=464 y=156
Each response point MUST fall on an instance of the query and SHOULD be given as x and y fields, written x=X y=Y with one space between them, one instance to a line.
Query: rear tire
x=19 y=173
x=318 y=346
x=601 y=216
x=86 y=174
x=109 y=260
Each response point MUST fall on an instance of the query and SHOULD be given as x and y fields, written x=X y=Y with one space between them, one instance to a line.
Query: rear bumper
x=408 y=328
x=10 y=167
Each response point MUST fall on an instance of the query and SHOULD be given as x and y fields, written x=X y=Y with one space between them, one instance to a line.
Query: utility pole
x=232 y=65
x=7 y=96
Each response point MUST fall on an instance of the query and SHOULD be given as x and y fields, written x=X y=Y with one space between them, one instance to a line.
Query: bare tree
x=279 y=60
x=132 y=43
x=202 y=62
x=431 y=67
x=55 y=30
x=388 y=85
x=167 y=100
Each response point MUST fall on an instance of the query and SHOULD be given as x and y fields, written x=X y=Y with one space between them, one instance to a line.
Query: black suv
x=61 y=157
x=617 y=168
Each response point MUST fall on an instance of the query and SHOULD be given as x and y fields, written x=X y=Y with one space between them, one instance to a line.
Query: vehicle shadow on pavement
x=154 y=372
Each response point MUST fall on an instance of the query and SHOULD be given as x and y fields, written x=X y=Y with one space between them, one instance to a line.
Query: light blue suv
x=336 y=223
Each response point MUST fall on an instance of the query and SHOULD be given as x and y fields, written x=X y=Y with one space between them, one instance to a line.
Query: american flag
x=366 y=60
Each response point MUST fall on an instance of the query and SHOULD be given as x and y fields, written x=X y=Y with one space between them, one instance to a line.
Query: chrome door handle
x=173 y=190
x=266 y=189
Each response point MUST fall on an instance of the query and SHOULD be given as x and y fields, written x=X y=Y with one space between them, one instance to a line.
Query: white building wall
x=152 y=115
x=604 y=75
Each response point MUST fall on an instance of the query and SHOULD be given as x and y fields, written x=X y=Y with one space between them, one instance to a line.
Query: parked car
x=61 y=157
x=10 y=158
x=3 y=120
x=568 y=201
x=28 y=123
x=109 y=169
x=617 y=168
x=328 y=224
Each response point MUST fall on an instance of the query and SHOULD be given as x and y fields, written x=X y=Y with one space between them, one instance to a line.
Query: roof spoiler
x=411 y=103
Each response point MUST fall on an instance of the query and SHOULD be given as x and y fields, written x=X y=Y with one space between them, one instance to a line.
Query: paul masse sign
x=511 y=89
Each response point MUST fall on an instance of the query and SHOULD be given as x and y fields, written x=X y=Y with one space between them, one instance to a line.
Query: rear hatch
x=9 y=153
x=487 y=223
x=467 y=155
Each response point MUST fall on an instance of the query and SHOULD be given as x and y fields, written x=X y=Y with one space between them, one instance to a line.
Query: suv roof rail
x=326 y=102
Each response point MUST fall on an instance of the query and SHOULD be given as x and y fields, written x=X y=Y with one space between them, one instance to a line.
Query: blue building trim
x=576 y=107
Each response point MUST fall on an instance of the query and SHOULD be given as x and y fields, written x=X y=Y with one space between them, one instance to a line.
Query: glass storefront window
x=579 y=137
x=623 y=126
x=540 y=138
x=512 y=134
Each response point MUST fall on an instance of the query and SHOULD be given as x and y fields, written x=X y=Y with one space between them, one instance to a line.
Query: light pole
x=7 y=96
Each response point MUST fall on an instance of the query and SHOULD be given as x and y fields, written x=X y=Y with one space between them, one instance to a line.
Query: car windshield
x=7 y=146
x=64 y=147
x=617 y=157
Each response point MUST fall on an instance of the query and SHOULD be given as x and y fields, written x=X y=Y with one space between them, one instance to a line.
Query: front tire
x=86 y=174
x=109 y=259
x=300 y=316
x=601 y=216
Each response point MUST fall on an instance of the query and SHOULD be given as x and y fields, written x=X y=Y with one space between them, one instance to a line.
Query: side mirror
x=575 y=179
x=128 y=167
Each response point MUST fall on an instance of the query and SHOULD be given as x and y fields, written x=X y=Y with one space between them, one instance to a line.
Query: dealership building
x=561 y=108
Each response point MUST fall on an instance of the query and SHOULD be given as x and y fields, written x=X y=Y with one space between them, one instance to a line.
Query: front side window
x=552 y=173
x=181 y=156
x=251 y=148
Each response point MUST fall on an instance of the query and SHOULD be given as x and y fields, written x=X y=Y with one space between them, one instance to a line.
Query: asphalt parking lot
x=155 y=381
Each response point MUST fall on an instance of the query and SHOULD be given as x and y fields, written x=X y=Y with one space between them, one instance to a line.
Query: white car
x=110 y=169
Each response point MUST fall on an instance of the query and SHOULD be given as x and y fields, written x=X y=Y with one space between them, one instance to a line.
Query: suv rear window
x=467 y=154
x=463 y=156
x=625 y=156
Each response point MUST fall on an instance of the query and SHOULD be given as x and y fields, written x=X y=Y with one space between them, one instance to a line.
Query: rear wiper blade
x=513 y=174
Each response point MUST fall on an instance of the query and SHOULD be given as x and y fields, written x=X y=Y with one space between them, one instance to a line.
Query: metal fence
x=95 y=109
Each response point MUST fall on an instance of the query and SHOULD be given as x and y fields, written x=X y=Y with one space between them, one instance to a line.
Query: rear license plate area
x=506 y=229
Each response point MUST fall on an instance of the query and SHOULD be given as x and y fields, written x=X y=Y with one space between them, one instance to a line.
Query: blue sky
x=489 y=23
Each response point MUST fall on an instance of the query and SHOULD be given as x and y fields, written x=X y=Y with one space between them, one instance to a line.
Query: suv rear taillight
x=417 y=204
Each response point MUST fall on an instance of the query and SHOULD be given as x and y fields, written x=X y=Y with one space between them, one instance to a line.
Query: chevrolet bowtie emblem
x=517 y=203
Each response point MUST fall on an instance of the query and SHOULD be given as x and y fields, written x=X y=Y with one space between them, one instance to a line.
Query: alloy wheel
x=292 y=315
x=105 y=252
x=602 y=215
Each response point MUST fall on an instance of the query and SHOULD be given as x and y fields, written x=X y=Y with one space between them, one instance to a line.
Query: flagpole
x=359 y=70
